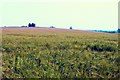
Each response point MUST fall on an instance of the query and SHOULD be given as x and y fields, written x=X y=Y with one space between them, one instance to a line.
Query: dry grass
x=59 y=53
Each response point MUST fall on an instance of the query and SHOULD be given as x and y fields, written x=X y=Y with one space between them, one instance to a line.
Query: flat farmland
x=59 y=53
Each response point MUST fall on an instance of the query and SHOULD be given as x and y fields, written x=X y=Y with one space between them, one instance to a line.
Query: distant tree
x=70 y=27
x=23 y=26
x=31 y=25
x=118 y=30
x=52 y=27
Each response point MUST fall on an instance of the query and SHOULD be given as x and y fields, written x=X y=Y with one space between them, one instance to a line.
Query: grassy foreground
x=57 y=53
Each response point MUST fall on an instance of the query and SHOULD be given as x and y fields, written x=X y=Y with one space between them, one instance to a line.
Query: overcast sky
x=80 y=14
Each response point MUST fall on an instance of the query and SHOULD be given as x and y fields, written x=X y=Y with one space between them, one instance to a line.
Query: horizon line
x=55 y=27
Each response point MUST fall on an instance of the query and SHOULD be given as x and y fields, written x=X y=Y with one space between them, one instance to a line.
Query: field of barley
x=59 y=53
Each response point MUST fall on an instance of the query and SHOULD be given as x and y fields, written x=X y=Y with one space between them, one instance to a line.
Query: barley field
x=59 y=53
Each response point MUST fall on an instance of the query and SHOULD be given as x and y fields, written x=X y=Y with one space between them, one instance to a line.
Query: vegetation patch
x=68 y=54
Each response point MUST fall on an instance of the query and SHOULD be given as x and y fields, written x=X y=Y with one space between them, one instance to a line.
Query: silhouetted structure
x=31 y=25
x=70 y=27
